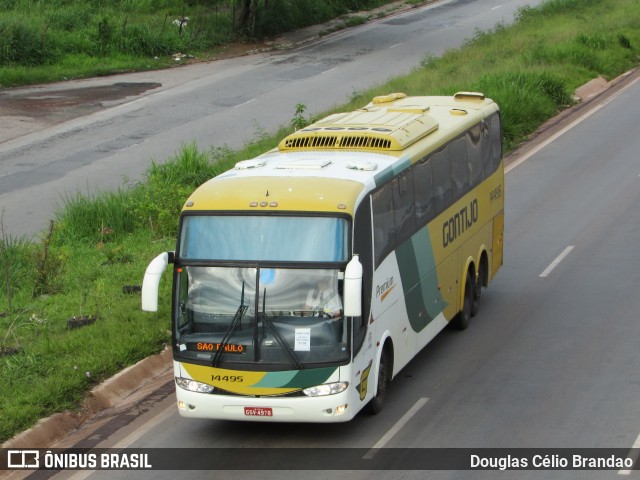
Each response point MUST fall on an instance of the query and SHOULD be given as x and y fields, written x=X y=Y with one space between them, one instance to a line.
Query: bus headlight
x=325 y=389
x=193 y=386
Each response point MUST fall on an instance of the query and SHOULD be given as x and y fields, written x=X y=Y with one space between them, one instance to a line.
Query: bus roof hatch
x=383 y=125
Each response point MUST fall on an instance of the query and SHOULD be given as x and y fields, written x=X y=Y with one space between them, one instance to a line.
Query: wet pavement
x=25 y=110
x=68 y=103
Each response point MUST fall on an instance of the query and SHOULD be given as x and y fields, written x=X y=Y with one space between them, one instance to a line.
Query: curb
x=591 y=88
x=106 y=395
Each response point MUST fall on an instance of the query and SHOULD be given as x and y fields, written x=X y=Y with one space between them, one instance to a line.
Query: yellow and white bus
x=306 y=278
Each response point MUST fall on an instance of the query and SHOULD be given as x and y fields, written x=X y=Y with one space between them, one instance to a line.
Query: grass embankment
x=64 y=39
x=99 y=245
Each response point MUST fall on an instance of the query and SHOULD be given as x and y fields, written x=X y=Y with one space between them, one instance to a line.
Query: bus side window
x=485 y=147
x=459 y=167
x=474 y=155
x=184 y=315
x=362 y=242
x=423 y=188
x=404 y=206
x=384 y=232
x=443 y=193
x=496 y=141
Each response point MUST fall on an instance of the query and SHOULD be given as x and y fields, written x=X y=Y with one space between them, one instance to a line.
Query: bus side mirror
x=353 y=288
x=151 y=282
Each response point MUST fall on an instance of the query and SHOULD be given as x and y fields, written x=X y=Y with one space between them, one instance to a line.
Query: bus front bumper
x=325 y=409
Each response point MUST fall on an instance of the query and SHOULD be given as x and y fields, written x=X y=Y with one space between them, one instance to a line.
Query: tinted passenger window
x=487 y=161
x=362 y=246
x=442 y=190
x=474 y=155
x=404 y=206
x=423 y=191
x=384 y=234
x=459 y=167
x=496 y=141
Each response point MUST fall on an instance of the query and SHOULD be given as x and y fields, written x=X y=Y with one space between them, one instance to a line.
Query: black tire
x=481 y=282
x=463 y=318
x=477 y=291
x=384 y=376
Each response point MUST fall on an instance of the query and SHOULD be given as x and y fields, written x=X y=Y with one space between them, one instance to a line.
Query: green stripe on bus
x=310 y=377
x=275 y=379
x=419 y=280
x=391 y=171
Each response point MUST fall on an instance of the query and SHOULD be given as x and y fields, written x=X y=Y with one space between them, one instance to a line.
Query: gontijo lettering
x=459 y=222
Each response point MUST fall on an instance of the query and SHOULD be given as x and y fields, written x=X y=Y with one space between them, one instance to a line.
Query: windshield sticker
x=267 y=276
x=302 y=340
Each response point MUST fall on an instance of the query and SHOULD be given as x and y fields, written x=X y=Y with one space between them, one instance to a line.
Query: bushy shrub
x=158 y=201
x=25 y=44
x=526 y=100
x=17 y=265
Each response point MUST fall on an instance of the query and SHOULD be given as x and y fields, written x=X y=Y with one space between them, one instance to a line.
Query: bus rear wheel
x=481 y=281
x=463 y=318
x=475 y=302
x=377 y=402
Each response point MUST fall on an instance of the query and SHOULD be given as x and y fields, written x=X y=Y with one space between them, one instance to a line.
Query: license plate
x=258 y=411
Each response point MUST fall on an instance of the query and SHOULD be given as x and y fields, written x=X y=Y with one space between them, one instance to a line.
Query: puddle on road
x=65 y=104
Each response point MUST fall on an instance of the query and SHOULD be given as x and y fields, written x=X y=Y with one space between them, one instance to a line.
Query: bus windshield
x=264 y=238
x=285 y=318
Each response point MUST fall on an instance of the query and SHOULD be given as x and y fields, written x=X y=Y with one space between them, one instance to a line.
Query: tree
x=246 y=16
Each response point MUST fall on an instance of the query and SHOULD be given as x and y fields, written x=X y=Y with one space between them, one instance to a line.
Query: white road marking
x=248 y=101
x=558 y=259
x=168 y=412
x=394 y=46
x=552 y=139
x=157 y=420
x=396 y=428
x=636 y=446
x=128 y=104
x=561 y=132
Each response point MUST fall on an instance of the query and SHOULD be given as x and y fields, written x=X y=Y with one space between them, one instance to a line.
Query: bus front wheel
x=384 y=377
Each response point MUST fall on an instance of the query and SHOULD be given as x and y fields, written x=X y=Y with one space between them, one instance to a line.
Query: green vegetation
x=532 y=68
x=100 y=244
x=61 y=39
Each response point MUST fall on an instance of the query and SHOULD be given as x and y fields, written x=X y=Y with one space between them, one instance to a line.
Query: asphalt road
x=129 y=120
x=551 y=360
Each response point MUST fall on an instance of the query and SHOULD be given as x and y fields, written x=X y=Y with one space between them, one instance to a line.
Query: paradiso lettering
x=459 y=222
x=214 y=347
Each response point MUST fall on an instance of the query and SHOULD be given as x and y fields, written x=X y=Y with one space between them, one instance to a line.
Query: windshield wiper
x=281 y=341
x=237 y=320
